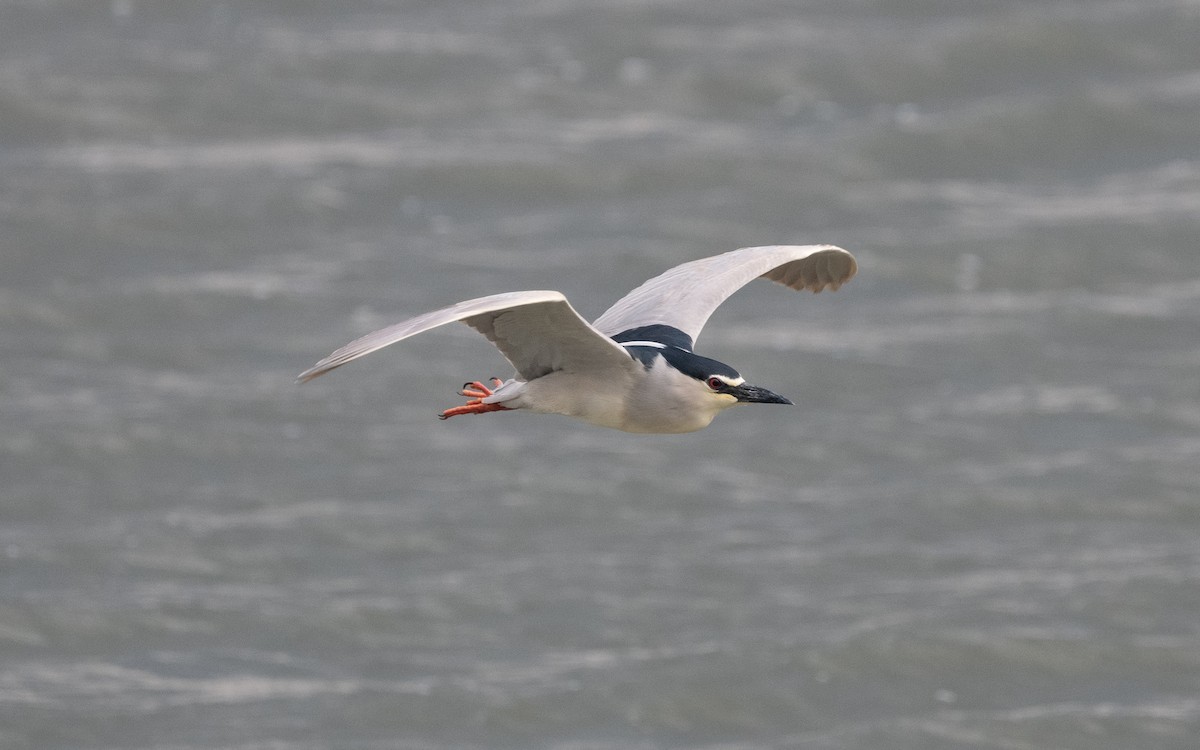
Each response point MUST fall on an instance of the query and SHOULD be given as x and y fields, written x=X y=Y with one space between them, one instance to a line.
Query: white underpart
x=666 y=400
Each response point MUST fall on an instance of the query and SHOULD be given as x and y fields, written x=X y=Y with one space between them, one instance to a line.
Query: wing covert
x=536 y=331
x=549 y=336
x=685 y=296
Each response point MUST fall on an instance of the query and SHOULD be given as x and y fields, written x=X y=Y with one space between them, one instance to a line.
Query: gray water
x=980 y=528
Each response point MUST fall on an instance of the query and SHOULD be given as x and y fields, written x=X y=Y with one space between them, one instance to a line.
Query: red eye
x=715 y=383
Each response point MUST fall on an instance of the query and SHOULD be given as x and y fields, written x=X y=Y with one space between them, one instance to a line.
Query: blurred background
x=980 y=528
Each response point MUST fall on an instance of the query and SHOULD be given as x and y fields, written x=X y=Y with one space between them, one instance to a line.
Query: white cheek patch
x=730 y=381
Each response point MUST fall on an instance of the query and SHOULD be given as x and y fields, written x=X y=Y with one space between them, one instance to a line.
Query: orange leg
x=476 y=392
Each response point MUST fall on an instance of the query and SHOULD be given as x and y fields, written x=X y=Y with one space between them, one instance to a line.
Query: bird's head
x=737 y=391
x=719 y=382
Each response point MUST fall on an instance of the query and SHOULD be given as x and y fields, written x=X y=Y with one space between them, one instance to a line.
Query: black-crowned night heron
x=633 y=368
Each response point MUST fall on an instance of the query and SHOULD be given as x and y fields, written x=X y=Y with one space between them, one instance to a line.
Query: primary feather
x=537 y=331
x=685 y=296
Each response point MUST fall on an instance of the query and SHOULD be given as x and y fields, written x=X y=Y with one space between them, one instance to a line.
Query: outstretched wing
x=538 y=332
x=685 y=296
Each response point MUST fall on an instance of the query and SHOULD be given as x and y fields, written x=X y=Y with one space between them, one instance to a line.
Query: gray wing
x=538 y=332
x=685 y=296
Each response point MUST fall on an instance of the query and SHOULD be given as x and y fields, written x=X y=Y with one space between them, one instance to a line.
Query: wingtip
x=832 y=274
x=309 y=374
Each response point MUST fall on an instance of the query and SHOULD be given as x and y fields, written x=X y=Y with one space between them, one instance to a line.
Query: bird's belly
x=599 y=402
x=665 y=421
x=606 y=403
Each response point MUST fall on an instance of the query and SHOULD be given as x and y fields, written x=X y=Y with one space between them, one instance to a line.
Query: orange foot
x=477 y=392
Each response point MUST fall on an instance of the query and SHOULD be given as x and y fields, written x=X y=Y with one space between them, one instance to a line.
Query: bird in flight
x=631 y=369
